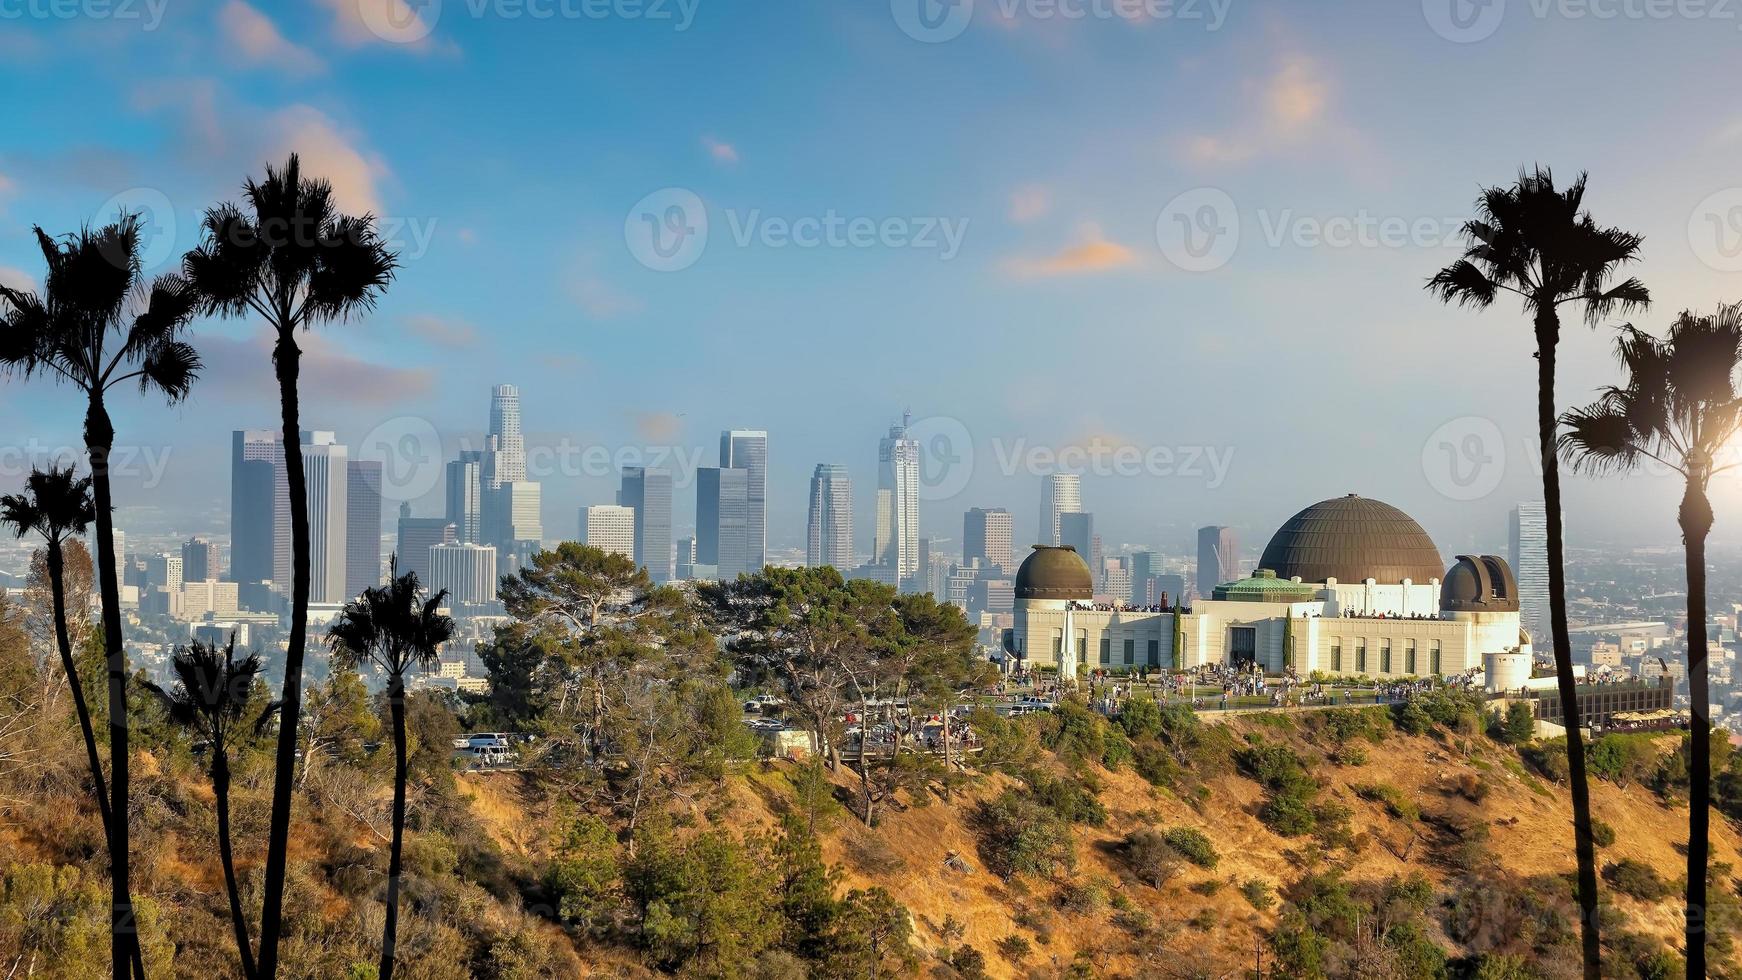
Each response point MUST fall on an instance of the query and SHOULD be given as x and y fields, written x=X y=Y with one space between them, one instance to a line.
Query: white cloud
x=251 y=37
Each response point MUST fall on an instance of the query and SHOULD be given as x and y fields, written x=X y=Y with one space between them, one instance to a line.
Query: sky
x=1179 y=246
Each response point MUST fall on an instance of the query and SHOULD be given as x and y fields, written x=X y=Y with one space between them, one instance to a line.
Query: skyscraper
x=518 y=530
x=416 y=536
x=1218 y=558
x=987 y=535
x=897 y=540
x=362 y=525
x=508 y=463
x=465 y=495
x=254 y=490
x=199 y=560
x=686 y=558
x=648 y=493
x=1528 y=529
x=610 y=528
x=1060 y=493
x=467 y=571
x=829 y=534
x=1077 y=529
x=721 y=502
x=747 y=450
x=327 y=475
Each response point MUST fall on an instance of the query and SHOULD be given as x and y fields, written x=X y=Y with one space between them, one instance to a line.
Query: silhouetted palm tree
x=210 y=696
x=296 y=262
x=56 y=504
x=397 y=630
x=1538 y=243
x=96 y=325
x=1678 y=407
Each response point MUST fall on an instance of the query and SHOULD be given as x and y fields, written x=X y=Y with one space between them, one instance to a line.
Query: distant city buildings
x=326 y=473
x=648 y=494
x=1060 y=494
x=1077 y=530
x=747 y=450
x=255 y=455
x=200 y=560
x=507 y=446
x=829 y=531
x=417 y=535
x=895 y=546
x=610 y=528
x=467 y=571
x=1218 y=558
x=722 y=503
x=363 y=525
x=1528 y=531
x=988 y=537
x=465 y=495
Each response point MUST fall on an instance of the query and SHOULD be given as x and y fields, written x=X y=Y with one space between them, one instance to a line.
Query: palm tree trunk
x=57 y=590
x=64 y=643
x=99 y=441
x=221 y=790
x=389 y=932
x=286 y=359
x=1696 y=522
x=1584 y=849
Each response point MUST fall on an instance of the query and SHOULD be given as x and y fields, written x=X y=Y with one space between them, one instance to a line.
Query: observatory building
x=1347 y=587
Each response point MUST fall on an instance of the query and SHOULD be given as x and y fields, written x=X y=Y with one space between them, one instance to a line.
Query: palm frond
x=1598 y=439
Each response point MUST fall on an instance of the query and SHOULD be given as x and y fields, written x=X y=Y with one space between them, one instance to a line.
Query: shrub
x=1412 y=718
x=1258 y=893
x=1395 y=802
x=1637 y=879
x=1288 y=814
x=1141 y=717
x=1602 y=834
x=1019 y=836
x=1150 y=857
x=1194 y=846
x=1014 y=948
x=1548 y=758
x=1072 y=799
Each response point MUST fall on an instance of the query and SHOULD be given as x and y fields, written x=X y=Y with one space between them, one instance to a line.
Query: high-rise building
x=465 y=495
x=416 y=536
x=327 y=478
x=254 y=492
x=467 y=571
x=988 y=535
x=1218 y=558
x=1169 y=589
x=163 y=571
x=829 y=534
x=686 y=558
x=610 y=528
x=1060 y=493
x=1116 y=579
x=721 y=503
x=1528 y=529
x=747 y=450
x=508 y=445
x=648 y=494
x=200 y=560
x=896 y=544
x=518 y=524
x=1077 y=529
x=363 y=526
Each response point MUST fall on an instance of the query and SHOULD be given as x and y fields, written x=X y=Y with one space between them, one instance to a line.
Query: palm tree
x=390 y=626
x=296 y=262
x=1679 y=407
x=96 y=325
x=1536 y=242
x=56 y=504
x=210 y=696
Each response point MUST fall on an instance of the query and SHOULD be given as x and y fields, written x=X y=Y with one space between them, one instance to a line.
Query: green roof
x=1264 y=586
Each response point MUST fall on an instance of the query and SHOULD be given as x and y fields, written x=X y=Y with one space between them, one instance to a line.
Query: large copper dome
x=1352 y=539
x=1054 y=573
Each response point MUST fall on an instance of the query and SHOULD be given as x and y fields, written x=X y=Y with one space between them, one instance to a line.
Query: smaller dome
x=1264 y=586
x=1479 y=583
x=1055 y=573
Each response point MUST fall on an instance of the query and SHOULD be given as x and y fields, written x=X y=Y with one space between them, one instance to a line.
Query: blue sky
x=509 y=154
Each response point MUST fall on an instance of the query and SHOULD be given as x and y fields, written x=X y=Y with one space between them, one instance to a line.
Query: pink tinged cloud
x=394 y=23
x=1093 y=254
x=721 y=152
x=1287 y=105
x=329 y=153
x=251 y=37
x=1029 y=202
x=442 y=331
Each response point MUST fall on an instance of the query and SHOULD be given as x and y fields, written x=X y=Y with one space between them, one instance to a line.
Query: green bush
x=1602 y=834
x=1150 y=857
x=1258 y=894
x=1020 y=836
x=1194 y=846
x=1636 y=878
